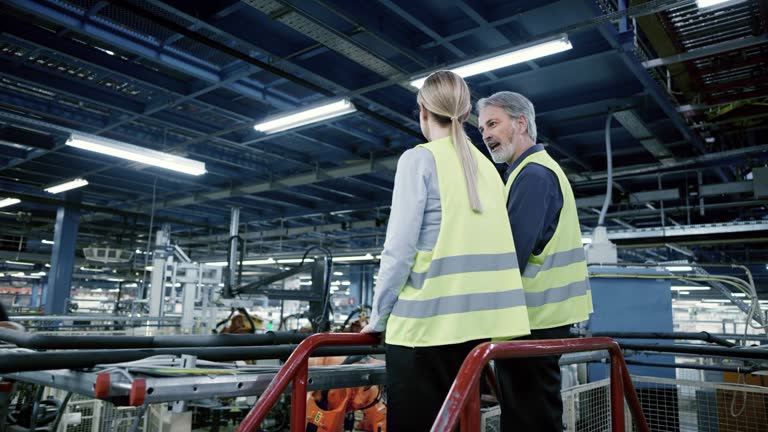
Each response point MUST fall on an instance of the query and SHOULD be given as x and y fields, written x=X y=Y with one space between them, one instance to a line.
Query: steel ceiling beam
x=707 y=51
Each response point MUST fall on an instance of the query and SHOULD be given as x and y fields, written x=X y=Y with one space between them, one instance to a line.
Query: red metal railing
x=463 y=401
x=296 y=369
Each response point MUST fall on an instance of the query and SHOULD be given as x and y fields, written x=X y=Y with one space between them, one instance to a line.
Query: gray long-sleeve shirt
x=414 y=224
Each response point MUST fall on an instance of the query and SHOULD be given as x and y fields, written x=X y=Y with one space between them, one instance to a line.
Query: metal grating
x=328 y=37
x=586 y=408
x=672 y=405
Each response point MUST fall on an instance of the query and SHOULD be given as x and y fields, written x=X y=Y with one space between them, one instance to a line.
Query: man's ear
x=522 y=123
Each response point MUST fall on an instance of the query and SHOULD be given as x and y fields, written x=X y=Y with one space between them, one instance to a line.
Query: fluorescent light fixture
x=25 y=276
x=40 y=273
x=2 y=274
x=46 y=241
x=63 y=187
x=586 y=240
x=683 y=292
x=294 y=260
x=738 y=294
x=715 y=301
x=246 y=262
x=365 y=257
x=305 y=116
x=520 y=55
x=338 y=273
x=689 y=288
x=96 y=270
x=346 y=283
x=9 y=202
x=47 y=265
x=711 y=3
x=137 y=154
x=115 y=280
x=24 y=263
x=679 y=268
x=307 y=283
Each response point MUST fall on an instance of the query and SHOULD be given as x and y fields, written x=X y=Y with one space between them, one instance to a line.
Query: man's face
x=500 y=133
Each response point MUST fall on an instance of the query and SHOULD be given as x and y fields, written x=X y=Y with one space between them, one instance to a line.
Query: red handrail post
x=295 y=370
x=632 y=400
x=470 y=417
x=299 y=397
x=459 y=396
x=617 y=392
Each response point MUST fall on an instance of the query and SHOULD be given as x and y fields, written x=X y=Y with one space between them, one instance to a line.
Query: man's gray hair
x=515 y=105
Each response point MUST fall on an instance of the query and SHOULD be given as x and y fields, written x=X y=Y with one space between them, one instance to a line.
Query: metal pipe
x=758 y=354
x=702 y=336
x=84 y=359
x=43 y=342
x=694 y=366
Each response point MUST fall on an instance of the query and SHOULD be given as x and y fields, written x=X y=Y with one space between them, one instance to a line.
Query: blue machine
x=632 y=304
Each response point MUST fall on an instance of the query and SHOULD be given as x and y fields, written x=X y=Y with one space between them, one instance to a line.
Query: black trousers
x=418 y=380
x=530 y=388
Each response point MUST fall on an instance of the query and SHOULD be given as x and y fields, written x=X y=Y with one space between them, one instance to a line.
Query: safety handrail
x=295 y=370
x=463 y=401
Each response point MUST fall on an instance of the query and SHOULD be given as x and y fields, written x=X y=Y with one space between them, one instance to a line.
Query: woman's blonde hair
x=446 y=96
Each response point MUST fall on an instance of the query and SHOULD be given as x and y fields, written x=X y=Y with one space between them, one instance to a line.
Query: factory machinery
x=210 y=382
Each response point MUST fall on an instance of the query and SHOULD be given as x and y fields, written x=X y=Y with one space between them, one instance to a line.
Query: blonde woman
x=449 y=277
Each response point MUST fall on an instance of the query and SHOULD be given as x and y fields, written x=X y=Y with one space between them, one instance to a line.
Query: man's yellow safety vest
x=556 y=282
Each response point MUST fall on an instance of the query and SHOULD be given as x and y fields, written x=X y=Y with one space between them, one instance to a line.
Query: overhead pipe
x=84 y=359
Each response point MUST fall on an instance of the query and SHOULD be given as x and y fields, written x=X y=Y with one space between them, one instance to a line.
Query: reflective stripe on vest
x=556 y=295
x=459 y=304
x=464 y=264
x=557 y=259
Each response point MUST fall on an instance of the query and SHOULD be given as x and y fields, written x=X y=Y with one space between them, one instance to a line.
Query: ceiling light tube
x=690 y=288
x=46 y=242
x=712 y=3
x=519 y=55
x=305 y=116
x=295 y=261
x=365 y=257
x=679 y=268
x=9 y=202
x=137 y=154
x=63 y=187
x=24 y=263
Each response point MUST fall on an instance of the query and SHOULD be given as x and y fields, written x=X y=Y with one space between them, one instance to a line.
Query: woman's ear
x=423 y=113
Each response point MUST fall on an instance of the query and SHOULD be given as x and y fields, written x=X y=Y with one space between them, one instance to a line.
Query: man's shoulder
x=536 y=171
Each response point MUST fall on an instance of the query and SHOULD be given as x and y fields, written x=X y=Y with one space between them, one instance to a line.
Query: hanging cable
x=609 y=161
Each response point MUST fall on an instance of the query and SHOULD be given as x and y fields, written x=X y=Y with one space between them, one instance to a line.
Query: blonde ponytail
x=468 y=163
x=446 y=95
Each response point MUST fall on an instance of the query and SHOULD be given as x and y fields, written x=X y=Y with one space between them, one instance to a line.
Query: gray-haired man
x=545 y=227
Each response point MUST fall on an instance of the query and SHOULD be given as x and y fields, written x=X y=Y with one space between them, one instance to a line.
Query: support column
x=230 y=280
x=62 y=258
x=159 y=258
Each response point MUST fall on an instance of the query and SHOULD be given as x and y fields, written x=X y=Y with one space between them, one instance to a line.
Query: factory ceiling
x=687 y=89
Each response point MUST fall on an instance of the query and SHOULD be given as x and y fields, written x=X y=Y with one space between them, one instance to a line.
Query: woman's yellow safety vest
x=556 y=282
x=469 y=286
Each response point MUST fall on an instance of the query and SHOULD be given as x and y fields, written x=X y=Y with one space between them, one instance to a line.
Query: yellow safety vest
x=469 y=286
x=556 y=282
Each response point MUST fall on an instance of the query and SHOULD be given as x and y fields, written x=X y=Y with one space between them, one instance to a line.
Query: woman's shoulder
x=416 y=157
